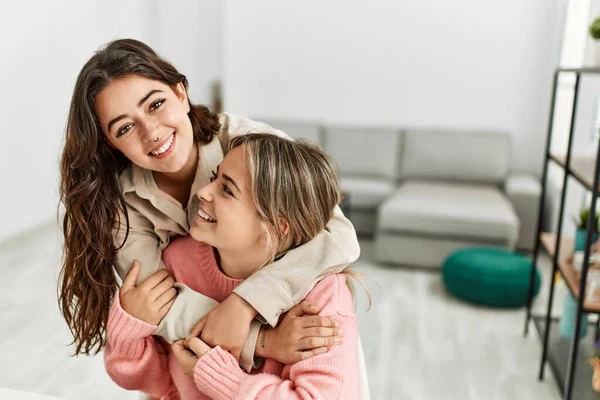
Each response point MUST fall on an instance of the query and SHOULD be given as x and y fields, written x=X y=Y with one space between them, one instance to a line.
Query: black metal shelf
x=585 y=170
x=558 y=356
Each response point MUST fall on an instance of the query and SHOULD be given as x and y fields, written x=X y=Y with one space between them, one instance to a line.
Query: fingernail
x=336 y=323
x=338 y=340
x=340 y=332
x=313 y=306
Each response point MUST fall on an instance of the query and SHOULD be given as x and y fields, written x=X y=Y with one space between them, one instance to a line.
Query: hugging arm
x=189 y=306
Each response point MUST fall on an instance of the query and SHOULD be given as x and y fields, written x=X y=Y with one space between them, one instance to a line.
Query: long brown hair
x=90 y=188
x=295 y=180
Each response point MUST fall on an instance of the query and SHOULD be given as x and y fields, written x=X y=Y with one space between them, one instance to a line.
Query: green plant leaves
x=595 y=28
x=584 y=216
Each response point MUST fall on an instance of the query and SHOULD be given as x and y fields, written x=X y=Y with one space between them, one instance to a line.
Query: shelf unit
x=585 y=170
x=567 y=271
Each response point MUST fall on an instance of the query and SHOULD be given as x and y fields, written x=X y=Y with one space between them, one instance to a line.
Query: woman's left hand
x=188 y=353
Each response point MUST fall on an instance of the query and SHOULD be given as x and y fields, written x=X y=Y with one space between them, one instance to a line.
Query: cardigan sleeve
x=133 y=358
x=331 y=375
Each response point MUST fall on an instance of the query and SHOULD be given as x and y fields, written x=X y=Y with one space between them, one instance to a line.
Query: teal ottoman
x=488 y=276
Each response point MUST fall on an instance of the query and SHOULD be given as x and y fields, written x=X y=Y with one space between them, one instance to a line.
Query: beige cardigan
x=155 y=217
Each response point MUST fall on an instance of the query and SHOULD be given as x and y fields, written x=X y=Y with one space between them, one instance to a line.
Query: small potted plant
x=582 y=226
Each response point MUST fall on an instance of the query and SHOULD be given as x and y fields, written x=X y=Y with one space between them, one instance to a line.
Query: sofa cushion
x=457 y=211
x=364 y=151
x=366 y=193
x=456 y=156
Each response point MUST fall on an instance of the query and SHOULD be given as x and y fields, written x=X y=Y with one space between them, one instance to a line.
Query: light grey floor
x=419 y=342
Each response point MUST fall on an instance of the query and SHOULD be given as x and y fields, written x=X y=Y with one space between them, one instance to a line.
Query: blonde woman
x=269 y=195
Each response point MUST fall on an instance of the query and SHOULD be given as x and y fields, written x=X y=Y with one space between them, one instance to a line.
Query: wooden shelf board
x=581 y=70
x=571 y=276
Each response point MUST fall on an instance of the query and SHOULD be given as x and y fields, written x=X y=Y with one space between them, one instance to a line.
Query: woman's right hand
x=300 y=335
x=152 y=299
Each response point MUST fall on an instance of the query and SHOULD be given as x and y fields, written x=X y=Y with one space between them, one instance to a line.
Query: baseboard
x=409 y=267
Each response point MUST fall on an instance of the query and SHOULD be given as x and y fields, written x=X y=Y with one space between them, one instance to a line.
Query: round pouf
x=492 y=277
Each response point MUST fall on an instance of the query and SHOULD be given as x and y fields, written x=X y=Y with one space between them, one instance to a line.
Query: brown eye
x=156 y=104
x=124 y=130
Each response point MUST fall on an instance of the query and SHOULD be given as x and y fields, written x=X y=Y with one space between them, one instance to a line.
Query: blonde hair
x=294 y=180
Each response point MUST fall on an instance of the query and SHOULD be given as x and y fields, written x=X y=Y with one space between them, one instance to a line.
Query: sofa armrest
x=524 y=190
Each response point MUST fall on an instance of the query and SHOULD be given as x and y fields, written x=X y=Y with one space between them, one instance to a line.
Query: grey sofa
x=423 y=193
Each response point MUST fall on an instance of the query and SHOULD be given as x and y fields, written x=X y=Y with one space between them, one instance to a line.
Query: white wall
x=462 y=64
x=43 y=45
x=188 y=33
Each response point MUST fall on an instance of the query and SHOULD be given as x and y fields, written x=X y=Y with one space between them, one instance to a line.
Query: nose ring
x=157 y=138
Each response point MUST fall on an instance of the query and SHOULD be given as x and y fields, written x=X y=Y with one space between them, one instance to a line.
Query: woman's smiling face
x=227 y=218
x=147 y=121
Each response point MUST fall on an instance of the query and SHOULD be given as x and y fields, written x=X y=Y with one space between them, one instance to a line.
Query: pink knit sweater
x=136 y=360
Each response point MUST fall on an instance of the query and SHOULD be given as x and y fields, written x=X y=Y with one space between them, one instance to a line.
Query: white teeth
x=164 y=147
x=205 y=216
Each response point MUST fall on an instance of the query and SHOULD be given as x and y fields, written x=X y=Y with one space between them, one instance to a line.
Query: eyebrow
x=142 y=101
x=228 y=178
